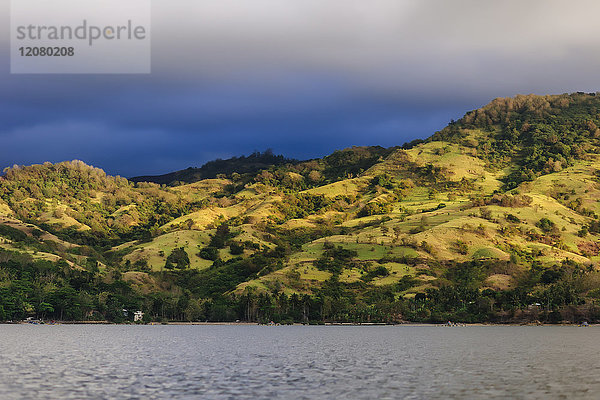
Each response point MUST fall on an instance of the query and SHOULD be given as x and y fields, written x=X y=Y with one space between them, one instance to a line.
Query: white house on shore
x=138 y=316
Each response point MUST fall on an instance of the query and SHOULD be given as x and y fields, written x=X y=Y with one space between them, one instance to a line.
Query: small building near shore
x=138 y=316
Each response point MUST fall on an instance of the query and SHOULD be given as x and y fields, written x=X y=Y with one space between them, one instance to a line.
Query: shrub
x=379 y=271
x=375 y=208
x=335 y=259
x=236 y=249
x=461 y=247
x=512 y=218
x=209 y=253
x=545 y=225
x=178 y=259
x=426 y=247
x=383 y=180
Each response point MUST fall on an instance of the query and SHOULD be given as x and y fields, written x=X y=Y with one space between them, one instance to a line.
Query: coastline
x=341 y=324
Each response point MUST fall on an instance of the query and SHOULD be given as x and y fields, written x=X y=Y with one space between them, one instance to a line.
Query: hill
x=493 y=218
x=251 y=164
x=340 y=164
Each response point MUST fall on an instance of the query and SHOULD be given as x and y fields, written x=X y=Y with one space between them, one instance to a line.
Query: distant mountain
x=251 y=164
x=340 y=164
x=495 y=218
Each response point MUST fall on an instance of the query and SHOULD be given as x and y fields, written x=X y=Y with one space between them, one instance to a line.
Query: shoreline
x=341 y=324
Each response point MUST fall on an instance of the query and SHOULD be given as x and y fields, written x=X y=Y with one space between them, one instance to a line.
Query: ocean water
x=298 y=362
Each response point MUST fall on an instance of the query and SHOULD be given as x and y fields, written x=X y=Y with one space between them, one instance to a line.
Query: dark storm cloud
x=303 y=78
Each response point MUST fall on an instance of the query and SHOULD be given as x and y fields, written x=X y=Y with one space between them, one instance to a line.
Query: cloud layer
x=303 y=78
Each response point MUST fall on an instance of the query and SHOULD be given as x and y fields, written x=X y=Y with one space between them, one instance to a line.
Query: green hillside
x=493 y=218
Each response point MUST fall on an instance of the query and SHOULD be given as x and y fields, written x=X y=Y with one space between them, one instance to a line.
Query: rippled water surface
x=293 y=362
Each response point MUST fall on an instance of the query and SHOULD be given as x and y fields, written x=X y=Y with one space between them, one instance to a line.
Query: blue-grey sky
x=301 y=77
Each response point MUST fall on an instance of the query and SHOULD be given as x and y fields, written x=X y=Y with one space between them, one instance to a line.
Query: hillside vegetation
x=493 y=218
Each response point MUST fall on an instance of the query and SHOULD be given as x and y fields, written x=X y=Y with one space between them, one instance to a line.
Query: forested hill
x=537 y=134
x=251 y=164
x=340 y=164
x=493 y=218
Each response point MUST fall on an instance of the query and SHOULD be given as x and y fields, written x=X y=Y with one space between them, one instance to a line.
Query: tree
x=236 y=248
x=44 y=308
x=545 y=225
x=178 y=259
x=195 y=310
x=221 y=236
x=209 y=253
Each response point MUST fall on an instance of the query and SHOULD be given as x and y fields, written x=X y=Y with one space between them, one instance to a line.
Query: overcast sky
x=303 y=77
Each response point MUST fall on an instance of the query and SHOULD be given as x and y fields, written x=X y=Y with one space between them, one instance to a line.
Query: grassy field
x=157 y=251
